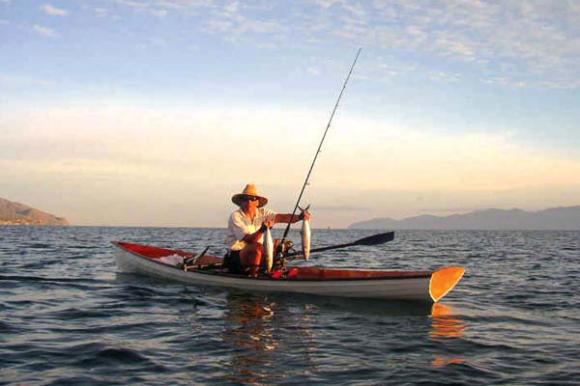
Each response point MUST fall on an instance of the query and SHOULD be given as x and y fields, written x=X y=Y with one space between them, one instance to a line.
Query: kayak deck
x=303 y=273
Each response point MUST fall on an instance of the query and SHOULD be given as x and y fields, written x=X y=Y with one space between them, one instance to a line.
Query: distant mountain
x=14 y=213
x=563 y=218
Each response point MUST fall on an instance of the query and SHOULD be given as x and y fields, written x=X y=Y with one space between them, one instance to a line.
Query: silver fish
x=268 y=249
x=305 y=232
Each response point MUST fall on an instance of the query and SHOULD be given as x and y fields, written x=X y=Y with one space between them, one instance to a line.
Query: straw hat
x=249 y=191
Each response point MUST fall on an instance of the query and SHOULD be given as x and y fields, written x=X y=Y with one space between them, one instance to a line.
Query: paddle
x=380 y=238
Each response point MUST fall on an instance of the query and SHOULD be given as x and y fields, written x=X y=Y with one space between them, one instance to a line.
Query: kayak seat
x=207 y=267
x=208 y=260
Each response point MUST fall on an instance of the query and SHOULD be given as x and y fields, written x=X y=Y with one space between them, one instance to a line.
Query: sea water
x=67 y=316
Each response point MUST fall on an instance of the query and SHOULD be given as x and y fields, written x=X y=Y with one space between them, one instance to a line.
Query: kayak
x=422 y=286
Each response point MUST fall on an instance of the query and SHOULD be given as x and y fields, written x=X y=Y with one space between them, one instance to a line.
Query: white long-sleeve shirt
x=239 y=225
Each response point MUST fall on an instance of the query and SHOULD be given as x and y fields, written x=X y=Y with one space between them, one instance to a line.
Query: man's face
x=250 y=202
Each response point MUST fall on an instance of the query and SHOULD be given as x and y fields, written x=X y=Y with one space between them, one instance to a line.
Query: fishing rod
x=318 y=150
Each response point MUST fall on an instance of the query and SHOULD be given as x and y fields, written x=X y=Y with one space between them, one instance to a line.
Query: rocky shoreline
x=14 y=213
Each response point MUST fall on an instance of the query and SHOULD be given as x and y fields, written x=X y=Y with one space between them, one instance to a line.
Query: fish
x=305 y=233
x=268 y=249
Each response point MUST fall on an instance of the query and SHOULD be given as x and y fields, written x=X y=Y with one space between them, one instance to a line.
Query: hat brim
x=239 y=198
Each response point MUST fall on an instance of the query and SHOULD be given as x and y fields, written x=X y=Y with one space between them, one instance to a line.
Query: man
x=246 y=228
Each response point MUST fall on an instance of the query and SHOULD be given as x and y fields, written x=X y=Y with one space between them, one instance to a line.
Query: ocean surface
x=68 y=317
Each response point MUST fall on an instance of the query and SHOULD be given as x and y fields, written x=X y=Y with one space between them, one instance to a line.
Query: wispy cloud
x=239 y=22
x=159 y=12
x=539 y=40
x=327 y=3
x=161 y=8
x=516 y=44
x=173 y=4
x=44 y=31
x=53 y=11
x=135 y=4
x=102 y=12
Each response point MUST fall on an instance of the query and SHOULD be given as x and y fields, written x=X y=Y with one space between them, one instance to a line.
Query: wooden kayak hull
x=422 y=286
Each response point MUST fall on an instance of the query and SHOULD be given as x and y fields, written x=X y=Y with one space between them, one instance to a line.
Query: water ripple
x=68 y=318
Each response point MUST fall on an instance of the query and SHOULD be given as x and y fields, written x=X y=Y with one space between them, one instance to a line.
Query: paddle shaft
x=319 y=147
x=380 y=238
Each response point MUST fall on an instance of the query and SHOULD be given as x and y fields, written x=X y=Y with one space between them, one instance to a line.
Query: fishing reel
x=286 y=247
x=283 y=250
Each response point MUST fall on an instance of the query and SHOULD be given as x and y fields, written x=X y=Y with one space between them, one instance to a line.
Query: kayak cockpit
x=298 y=273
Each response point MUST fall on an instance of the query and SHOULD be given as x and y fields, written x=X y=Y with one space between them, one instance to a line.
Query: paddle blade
x=376 y=239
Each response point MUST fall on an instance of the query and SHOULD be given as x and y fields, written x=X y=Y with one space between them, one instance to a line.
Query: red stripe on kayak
x=309 y=273
x=151 y=252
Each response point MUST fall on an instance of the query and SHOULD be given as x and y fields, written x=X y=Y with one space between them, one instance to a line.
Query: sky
x=155 y=112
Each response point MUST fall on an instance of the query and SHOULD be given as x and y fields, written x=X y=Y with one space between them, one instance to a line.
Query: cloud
x=102 y=12
x=460 y=162
x=174 y=4
x=535 y=39
x=529 y=43
x=160 y=8
x=538 y=35
x=53 y=11
x=135 y=4
x=327 y=3
x=158 y=12
x=237 y=22
x=384 y=167
x=44 y=31
x=313 y=70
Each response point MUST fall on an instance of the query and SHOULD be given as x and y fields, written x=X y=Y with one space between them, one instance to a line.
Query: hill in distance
x=562 y=218
x=14 y=213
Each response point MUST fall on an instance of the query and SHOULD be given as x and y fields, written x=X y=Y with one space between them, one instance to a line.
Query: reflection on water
x=441 y=361
x=249 y=330
x=257 y=329
x=264 y=331
x=445 y=326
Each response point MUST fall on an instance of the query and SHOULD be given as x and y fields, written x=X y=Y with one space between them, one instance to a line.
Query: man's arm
x=254 y=237
x=242 y=232
x=289 y=218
